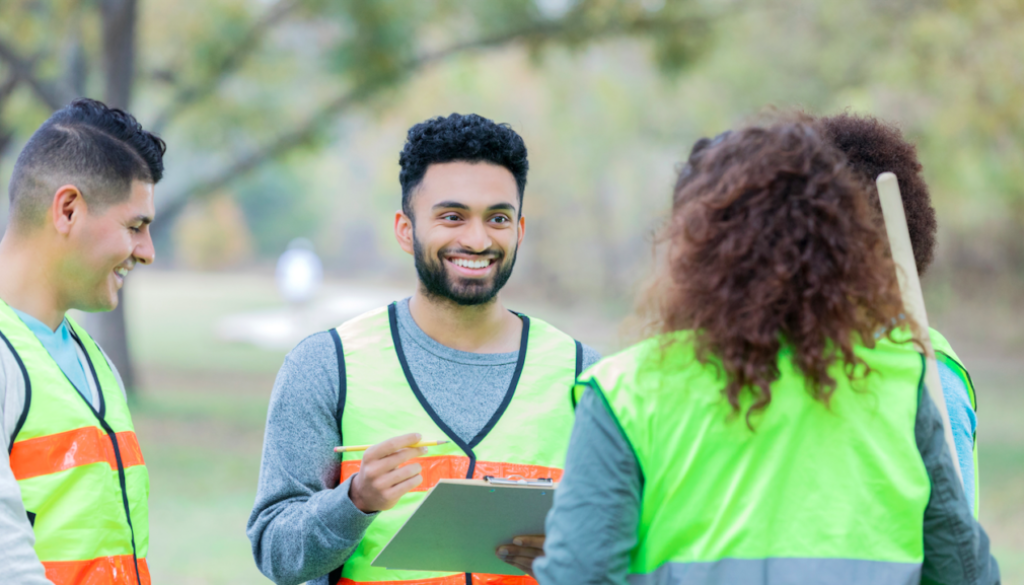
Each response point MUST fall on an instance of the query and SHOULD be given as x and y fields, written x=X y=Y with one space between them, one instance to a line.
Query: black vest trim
x=342 y=380
x=101 y=417
x=28 y=393
x=523 y=340
x=393 y=321
x=579 y=358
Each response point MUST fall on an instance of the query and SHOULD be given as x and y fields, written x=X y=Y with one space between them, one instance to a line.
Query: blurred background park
x=284 y=119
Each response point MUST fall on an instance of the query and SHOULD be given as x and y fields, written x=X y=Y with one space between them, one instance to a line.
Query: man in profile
x=448 y=363
x=73 y=483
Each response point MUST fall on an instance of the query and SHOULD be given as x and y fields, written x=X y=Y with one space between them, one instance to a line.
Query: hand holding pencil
x=383 y=478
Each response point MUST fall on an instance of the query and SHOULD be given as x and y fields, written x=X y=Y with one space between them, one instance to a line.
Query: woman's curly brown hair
x=772 y=243
x=873 y=147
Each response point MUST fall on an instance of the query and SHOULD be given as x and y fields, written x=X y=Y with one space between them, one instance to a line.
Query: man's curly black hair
x=873 y=147
x=469 y=138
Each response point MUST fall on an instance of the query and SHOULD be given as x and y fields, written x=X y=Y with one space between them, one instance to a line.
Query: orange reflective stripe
x=457 y=579
x=515 y=471
x=455 y=467
x=119 y=570
x=60 y=451
x=434 y=469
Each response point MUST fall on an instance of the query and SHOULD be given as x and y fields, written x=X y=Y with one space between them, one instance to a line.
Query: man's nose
x=144 y=251
x=475 y=237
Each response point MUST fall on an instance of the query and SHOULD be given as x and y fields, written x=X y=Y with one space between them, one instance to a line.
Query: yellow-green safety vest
x=527 y=437
x=813 y=493
x=945 y=354
x=80 y=469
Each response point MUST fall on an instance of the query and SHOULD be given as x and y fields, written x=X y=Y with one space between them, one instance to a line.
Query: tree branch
x=6 y=89
x=54 y=95
x=303 y=134
x=188 y=95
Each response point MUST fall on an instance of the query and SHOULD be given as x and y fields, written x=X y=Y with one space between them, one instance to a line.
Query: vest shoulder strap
x=342 y=378
x=28 y=394
x=579 y=357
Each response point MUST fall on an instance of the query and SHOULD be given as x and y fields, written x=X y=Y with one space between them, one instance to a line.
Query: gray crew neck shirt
x=465 y=389
x=303 y=523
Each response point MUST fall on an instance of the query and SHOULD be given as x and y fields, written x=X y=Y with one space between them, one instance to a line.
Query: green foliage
x=279 y=206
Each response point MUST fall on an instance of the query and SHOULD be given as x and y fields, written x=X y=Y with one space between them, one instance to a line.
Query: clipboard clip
x=541 y=481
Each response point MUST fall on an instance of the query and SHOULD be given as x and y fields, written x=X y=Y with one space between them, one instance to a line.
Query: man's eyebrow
x=144 y=219
x=450 y=205
x=503 y=206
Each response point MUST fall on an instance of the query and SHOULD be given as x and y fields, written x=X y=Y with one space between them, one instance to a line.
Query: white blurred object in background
x=299 y=277
x=299 y=272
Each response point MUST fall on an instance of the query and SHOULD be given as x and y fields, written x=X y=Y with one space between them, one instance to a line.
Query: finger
x=392 y=462
x=385 y=448
x=532 y=541
x=522 y=551
x=399 y=457
x=390 y=480
x=403 y=488
x=522 y=563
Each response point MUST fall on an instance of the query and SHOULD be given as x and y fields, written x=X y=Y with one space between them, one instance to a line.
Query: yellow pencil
x=352 y=448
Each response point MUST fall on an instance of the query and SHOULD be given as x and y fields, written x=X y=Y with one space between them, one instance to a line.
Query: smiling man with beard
x=449 y=363
x=73 y=483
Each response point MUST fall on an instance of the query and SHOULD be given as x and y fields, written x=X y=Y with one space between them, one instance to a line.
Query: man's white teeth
x=471 y=263
x=122 y=272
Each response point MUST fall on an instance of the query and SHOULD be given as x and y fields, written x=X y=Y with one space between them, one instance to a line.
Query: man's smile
x=471 y=266
x=122 y=271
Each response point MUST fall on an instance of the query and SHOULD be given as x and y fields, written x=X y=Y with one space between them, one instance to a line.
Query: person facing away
x=73 y=482
x=448 y=363
x=776 y=429
x=873 y=147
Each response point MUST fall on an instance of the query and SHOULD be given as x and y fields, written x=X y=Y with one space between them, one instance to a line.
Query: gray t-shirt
x=465 y=389
x=303 y=524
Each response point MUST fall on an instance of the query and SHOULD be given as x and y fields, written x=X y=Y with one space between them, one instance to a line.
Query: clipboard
x=461 y=523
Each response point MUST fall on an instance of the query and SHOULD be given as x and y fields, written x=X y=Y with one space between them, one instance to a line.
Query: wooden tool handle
x=913 y=298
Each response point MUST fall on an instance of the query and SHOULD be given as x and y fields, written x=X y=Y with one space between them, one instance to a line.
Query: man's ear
x=68 y=206
x=404 y=231
x=522 y=231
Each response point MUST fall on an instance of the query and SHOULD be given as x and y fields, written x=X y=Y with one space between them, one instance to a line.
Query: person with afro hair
x=873 y=147
x=448 y=363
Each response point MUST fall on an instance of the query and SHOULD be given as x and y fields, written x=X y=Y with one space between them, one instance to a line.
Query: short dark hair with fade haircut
x=873 y=147
x=470 y=138
x=97 y=149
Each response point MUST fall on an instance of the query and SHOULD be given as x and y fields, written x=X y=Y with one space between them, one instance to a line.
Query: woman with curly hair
x=775 y=430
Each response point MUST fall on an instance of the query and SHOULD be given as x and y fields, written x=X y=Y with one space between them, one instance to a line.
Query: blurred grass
x=201 y=410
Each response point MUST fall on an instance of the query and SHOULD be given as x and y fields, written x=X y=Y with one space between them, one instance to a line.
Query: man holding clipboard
x=450 y=363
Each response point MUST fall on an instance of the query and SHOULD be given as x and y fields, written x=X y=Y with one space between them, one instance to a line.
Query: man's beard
x=462 y=291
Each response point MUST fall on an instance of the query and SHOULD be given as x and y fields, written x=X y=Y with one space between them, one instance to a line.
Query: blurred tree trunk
x=119 y=23
x=119 y=19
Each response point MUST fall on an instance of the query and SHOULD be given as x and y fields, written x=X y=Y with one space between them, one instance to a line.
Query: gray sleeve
x=956 y=548
x=19 y=564
x=590 y=356
x=303 y=524
x=592 y=526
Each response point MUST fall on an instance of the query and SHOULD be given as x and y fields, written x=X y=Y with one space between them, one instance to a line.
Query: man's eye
x=135 y=229
x=450 y=217
x=500 y=219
